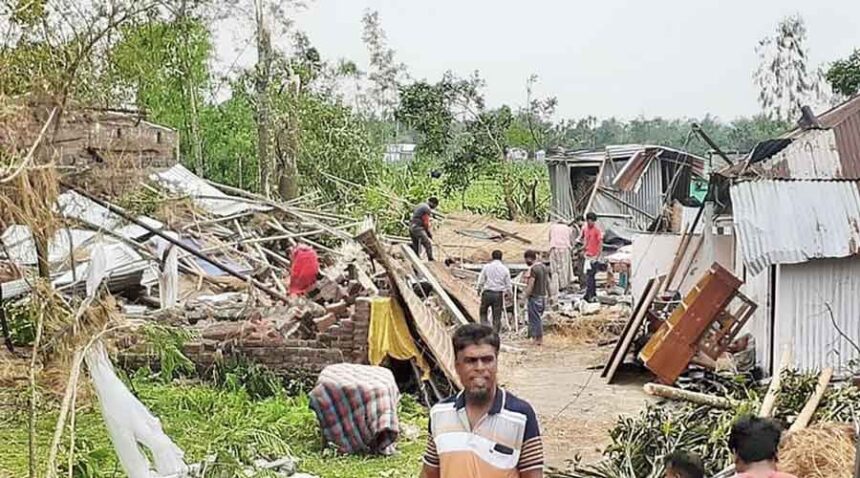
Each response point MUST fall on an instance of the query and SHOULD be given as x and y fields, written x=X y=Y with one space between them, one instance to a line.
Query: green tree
x=844 y=75
x=163 y=63
x=785 y=79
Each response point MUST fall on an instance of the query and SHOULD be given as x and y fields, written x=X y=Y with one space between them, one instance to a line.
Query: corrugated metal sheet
x=72 y=205
x=848 y=143
x=561 y=190
x=180 y=180
x=804 y=293
x=19 y=243
x=757 y=288
x=788 y=222
x=812 y=155
x=647 y=198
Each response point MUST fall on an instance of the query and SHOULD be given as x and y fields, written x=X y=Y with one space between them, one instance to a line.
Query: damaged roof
x=793 y=221
x=179 y=180
x=829 y=152
x=629 y=151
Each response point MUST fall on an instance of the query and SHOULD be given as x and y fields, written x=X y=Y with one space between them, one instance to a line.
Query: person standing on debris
x=592 y=238
x=680 y=464
x=537 y=285
x=493 y=283
x=560 y=239
x=419 y=227
x=755 y=441
x=484 y=431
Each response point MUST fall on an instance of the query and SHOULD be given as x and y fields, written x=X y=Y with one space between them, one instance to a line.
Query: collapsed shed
x=627 y=186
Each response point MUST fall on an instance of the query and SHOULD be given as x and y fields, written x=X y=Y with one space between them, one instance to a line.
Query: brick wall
x=344 y=341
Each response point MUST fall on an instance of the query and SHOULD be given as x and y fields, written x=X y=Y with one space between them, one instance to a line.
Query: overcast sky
x=623 y=58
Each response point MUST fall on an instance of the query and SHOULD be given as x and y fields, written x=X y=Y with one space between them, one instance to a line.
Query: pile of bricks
x=305 y=336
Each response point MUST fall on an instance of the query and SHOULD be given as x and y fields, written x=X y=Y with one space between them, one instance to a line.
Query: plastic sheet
x=129 y=423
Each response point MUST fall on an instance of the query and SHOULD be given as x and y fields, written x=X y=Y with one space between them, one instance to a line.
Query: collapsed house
x=215 y=261
x=628 y=186
x=795 y=205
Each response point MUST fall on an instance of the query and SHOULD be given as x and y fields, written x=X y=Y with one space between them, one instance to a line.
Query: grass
x=208 y=421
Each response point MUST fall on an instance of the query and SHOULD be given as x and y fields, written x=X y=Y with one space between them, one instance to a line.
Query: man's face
x=477 y=366
x=529 y=260
x=590 y=222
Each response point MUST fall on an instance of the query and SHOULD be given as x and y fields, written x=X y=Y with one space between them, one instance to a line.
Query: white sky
x=623 y=58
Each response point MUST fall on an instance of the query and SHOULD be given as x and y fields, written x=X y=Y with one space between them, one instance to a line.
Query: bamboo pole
x=768 y=405
x=808 y=410
x=229 y=270
x=686 y=395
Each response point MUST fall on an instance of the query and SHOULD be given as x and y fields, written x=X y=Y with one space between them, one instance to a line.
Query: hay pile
x=824 y=450
x=589 y=329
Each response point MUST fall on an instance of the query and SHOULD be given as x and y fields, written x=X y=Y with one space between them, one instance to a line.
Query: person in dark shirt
x=419 y=227
x=537 y=282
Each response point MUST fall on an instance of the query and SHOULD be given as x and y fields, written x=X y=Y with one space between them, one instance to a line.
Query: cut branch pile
x=640 y=444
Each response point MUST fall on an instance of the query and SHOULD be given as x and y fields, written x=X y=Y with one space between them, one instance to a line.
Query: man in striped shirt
x=484 y=431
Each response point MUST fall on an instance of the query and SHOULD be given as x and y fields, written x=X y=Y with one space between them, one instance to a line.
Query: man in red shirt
x=592 y=237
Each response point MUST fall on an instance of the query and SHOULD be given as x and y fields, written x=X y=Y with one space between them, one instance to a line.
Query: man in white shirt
x=493 y=283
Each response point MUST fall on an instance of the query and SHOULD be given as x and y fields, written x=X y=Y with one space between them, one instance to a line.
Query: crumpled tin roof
x=179 y=180
x=72 y=205
x=793 y=221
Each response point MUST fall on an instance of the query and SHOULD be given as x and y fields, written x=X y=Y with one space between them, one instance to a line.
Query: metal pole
x=698 y=129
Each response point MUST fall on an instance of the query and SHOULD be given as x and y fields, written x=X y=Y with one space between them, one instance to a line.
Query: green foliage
x=424 y=108
x=739 y=135
x=238 y=374
x=167 y=343
x=206 y=421
x=844 y=75
x=22 y=327
x=164 y=66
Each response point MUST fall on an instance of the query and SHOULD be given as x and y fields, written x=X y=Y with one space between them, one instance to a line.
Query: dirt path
x=551 y=377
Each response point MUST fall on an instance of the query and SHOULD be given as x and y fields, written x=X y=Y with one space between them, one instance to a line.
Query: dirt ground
x=575 y=407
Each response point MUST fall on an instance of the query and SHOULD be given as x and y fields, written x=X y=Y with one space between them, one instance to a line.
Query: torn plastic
x=129 y=423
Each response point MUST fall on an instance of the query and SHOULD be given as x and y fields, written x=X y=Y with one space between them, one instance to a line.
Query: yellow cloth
x=389 y=335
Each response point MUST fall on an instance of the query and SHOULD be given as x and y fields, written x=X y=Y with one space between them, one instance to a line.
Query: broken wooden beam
x=673 y=393
x=805 y=415
x=437 y=287
x=461 y=290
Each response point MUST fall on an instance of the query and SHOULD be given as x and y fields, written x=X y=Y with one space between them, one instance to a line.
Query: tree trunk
x=673 y=393
x=264 y=71
x=508 y=192
x=287 y=152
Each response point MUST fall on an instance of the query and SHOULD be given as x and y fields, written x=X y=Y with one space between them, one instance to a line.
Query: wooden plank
x=437 y=287
x=432 y=332
x=459 y=289
x=623 y=344
x=507 y=234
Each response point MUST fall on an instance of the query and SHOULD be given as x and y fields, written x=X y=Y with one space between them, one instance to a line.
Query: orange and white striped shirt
x=503 y=444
